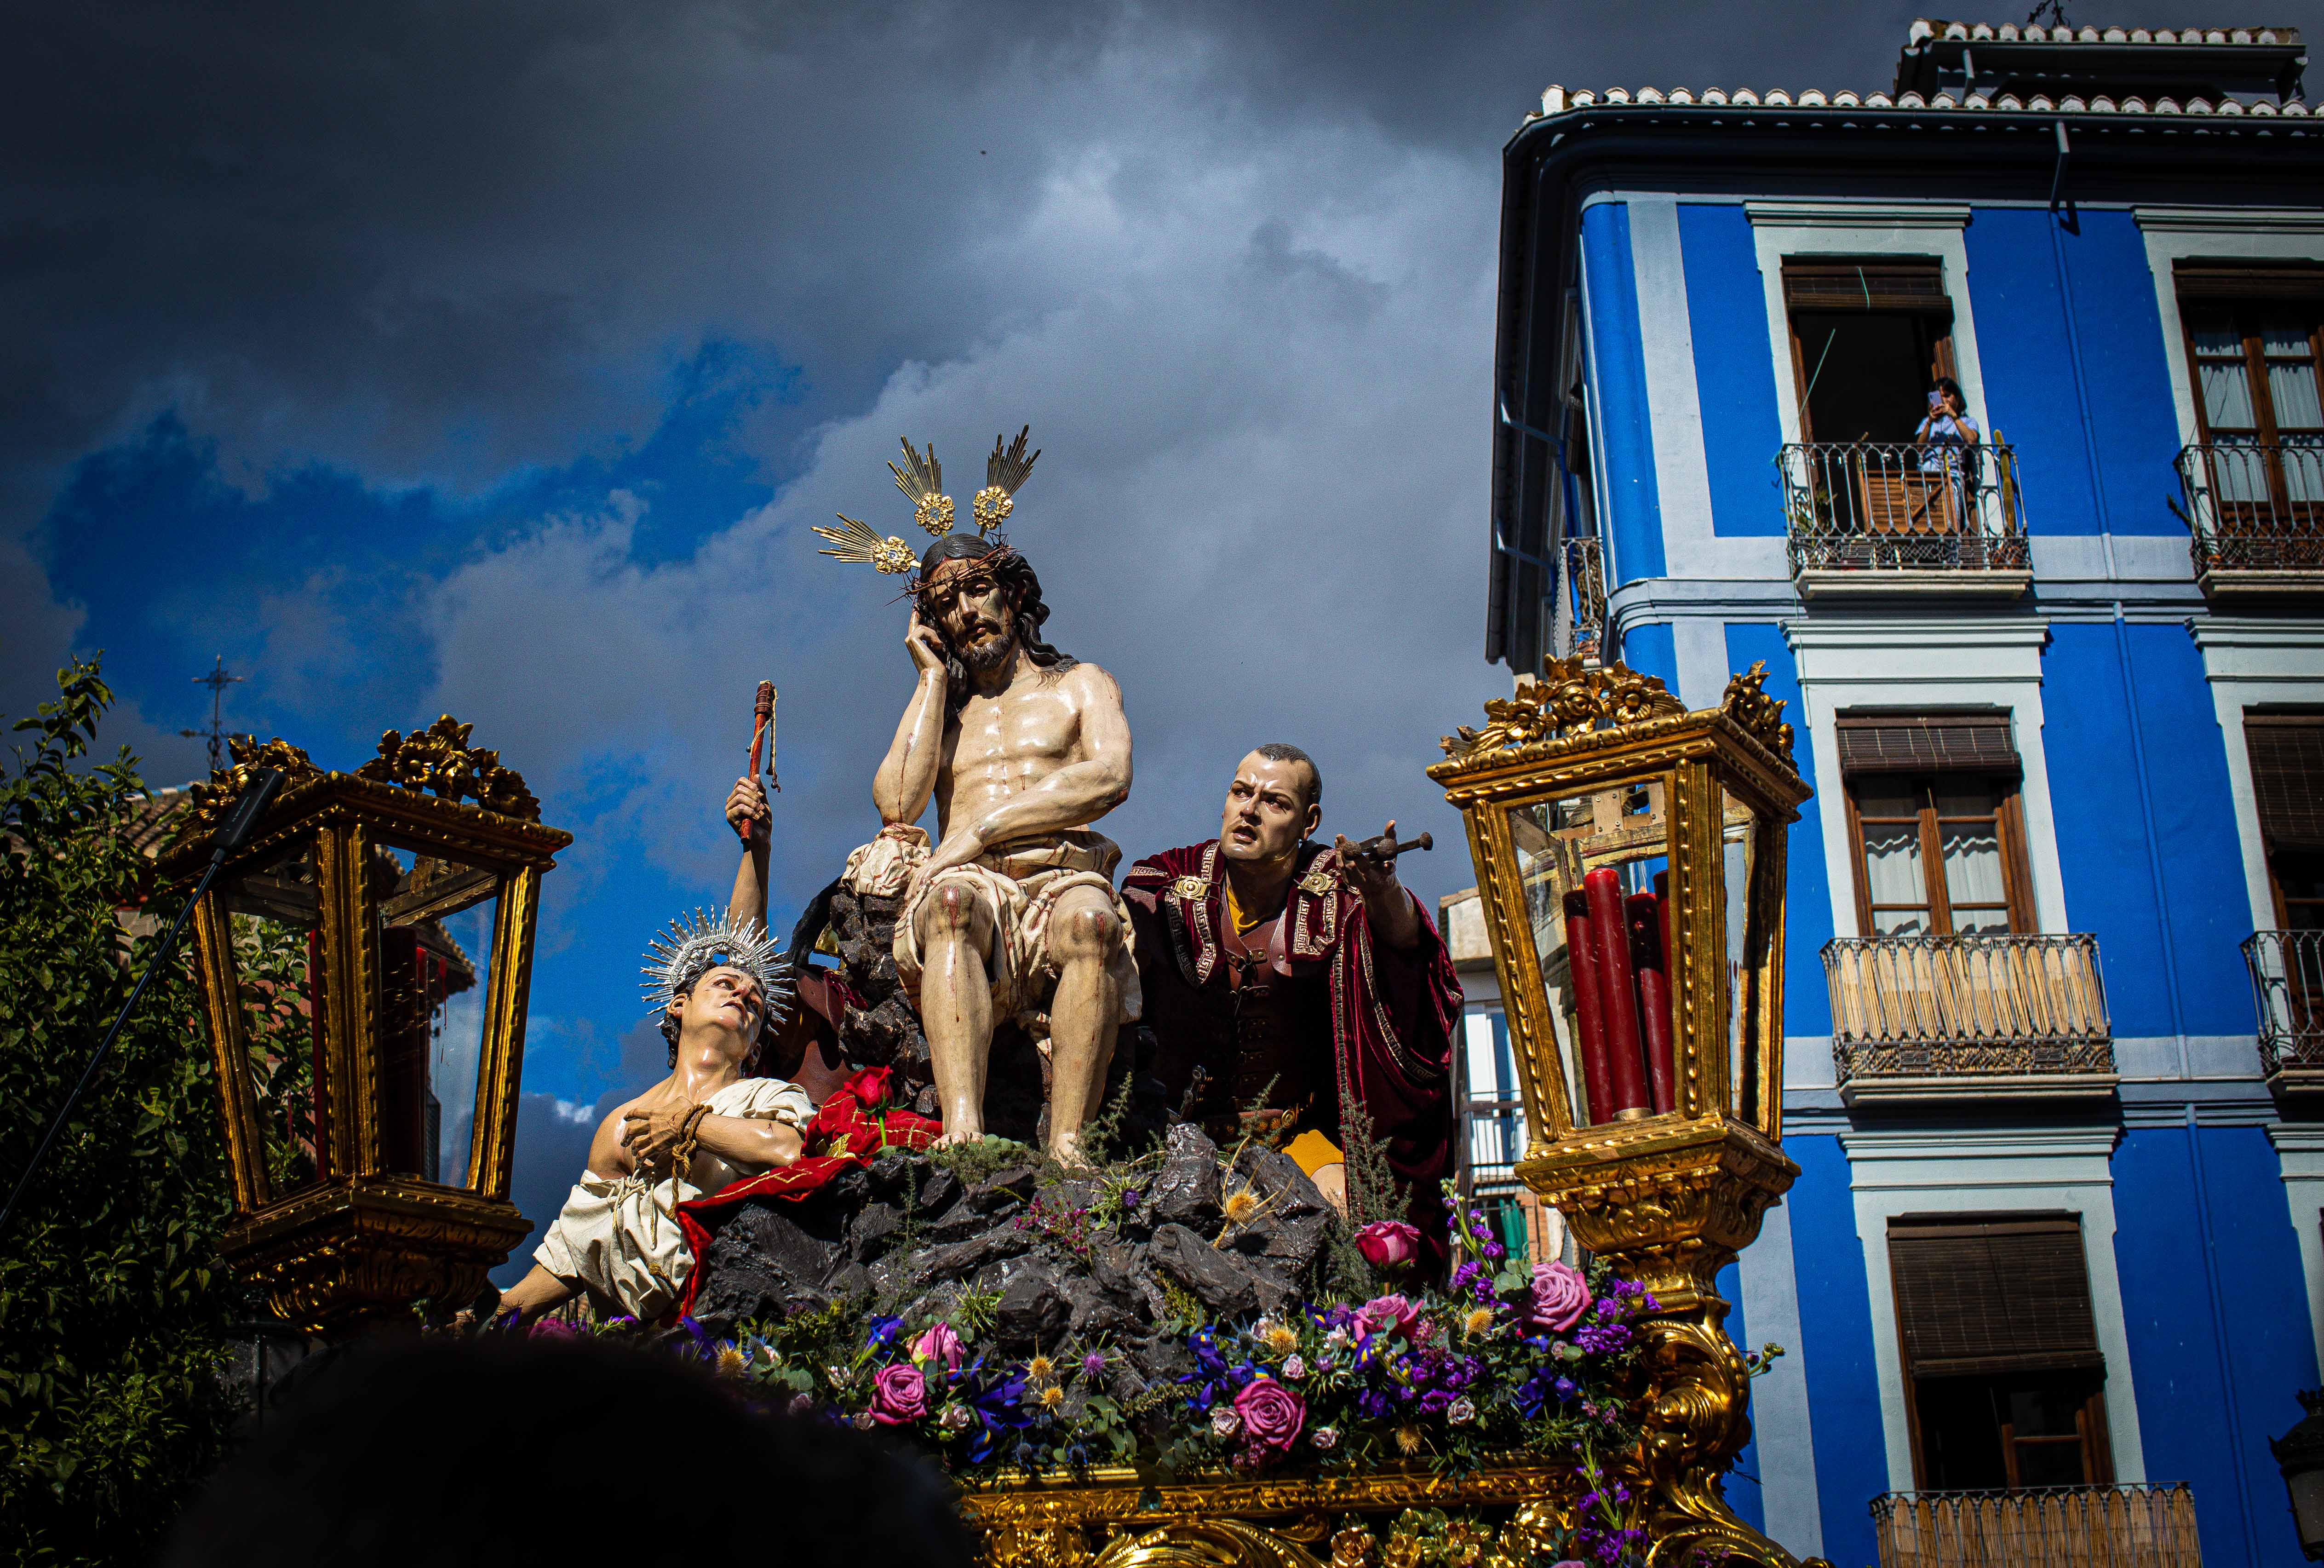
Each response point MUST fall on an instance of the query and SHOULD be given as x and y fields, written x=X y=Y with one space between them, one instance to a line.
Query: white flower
x=1224 y=1422
x=1461 y=1412
x=1327 y=1438
x=1294 y=1368
x=954 y=1417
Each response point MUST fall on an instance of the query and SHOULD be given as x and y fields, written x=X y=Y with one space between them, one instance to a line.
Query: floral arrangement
x=1502 y=1360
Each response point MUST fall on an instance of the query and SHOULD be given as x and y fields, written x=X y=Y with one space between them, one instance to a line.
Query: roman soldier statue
x=1284 y=980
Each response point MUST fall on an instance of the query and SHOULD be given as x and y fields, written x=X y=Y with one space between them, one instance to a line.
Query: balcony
x=2287 y=976
x=2256 y=514
x=1919 y=1019
x=1876 y=519
x=2083 y=1526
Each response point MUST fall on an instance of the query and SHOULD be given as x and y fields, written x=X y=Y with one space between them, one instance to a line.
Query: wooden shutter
x=1866 y=283
x=2230 y=280
x=1969 y=741
x=2287 y=765
x=2005 y=1294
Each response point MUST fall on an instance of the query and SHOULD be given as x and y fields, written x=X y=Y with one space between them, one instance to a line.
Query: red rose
x=1389 y=1243
x=1272 y=1415
x=870 y=1086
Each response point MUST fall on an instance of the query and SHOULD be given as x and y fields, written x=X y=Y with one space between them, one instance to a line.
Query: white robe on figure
x=620 y=1235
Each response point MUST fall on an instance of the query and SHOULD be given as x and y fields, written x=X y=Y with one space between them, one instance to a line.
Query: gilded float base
x=1110 y=1519
x=1669 y=1201
x=362 y=1250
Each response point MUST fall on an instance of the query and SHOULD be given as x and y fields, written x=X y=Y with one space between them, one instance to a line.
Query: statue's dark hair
x=1016 y=579
x=1285 y=751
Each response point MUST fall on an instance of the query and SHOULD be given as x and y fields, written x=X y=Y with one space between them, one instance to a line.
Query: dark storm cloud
x=1234 y=263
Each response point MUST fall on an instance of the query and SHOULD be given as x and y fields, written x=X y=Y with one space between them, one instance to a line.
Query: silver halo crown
x=697 y=943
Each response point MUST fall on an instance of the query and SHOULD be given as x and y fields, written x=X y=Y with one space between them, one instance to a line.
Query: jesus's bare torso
x=997 y=748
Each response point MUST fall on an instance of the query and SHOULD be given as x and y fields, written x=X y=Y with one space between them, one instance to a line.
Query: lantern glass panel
x=1742 y=869
x=436 y=924
x=1592 y=869
x=273 y=914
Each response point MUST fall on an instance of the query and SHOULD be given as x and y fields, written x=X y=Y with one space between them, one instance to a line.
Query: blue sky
x=496 y=360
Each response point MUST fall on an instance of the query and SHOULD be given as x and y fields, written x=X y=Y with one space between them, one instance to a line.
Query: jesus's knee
x=1084 y=931
x=954 y=911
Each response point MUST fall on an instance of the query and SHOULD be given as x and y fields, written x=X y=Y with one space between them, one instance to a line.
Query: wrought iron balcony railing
x=2083 y=1526
x=1918 y=1015
x=1497 y=1141
x=1879 y=506
x=1585 y=591
x=2254 y=509
x=2287 y=976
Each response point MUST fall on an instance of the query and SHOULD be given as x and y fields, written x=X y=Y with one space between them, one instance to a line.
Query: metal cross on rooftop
x=217 y=680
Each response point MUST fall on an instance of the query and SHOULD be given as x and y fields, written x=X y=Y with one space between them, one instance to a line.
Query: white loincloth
x=621 y=1237
x=1023 y=881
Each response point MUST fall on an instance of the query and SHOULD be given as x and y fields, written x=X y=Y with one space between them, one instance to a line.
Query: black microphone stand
x=231 y=836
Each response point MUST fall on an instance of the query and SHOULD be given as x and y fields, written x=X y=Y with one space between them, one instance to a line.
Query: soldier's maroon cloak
x=1388 y=1019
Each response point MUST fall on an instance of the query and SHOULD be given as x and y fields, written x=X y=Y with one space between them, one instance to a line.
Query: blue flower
x=883 y=1330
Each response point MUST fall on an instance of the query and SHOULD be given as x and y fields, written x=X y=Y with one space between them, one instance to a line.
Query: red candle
x=1618 y=988
x=1646 y=920
x=1588 y=1020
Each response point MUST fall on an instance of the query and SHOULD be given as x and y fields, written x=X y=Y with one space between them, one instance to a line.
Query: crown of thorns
x=697 y=943
x=921 y=479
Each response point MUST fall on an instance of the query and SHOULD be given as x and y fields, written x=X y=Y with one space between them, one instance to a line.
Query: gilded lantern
x=1630 y=859
x=364 y=962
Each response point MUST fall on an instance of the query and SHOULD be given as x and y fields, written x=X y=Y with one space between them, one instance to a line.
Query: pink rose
x=938 y=1344
x=1272 y=1415
x=1389 y=1243
x=1559 y=1296
x=1389 y=1315
x=899 y=1394
x=553 y=1328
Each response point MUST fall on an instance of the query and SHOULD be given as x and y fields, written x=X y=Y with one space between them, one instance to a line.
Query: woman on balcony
x=1948 y=437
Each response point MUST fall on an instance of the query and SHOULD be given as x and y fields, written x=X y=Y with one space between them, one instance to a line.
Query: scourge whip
x=762 y=742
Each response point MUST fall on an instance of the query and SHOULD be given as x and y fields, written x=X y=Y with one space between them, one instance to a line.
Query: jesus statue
x=1012 y=914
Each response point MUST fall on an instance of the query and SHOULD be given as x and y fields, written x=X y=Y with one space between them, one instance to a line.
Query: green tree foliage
x=114 y=1304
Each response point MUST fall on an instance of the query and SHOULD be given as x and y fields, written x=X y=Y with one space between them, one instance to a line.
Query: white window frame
x=1986 y=1170
x=1814 y=228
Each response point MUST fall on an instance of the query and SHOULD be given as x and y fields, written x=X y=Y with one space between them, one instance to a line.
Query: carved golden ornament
x=920 y=477
x=1190 y=888
x=857 y=542
x=1282 y=1521
x=1567 y=700
x=1761 y=717
x=361 y=1248
x=991 y=508
x=932 y=512
x=212 y=801
x=438 y=758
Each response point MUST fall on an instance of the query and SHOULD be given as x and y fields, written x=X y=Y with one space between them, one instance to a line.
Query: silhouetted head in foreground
x=498 y=1453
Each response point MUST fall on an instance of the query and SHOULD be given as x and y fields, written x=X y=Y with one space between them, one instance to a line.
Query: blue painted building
x=1985 y=412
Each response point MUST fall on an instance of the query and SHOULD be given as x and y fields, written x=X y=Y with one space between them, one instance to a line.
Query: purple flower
x=1293 y=1367
x=900 y=1393
x=1272 y=1415
x=1560 y=1295
x=1094 y=1363
x=1130 y=1199
x=884 y=1330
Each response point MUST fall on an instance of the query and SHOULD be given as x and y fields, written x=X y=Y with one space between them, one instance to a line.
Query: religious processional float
x=1132 y=1326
